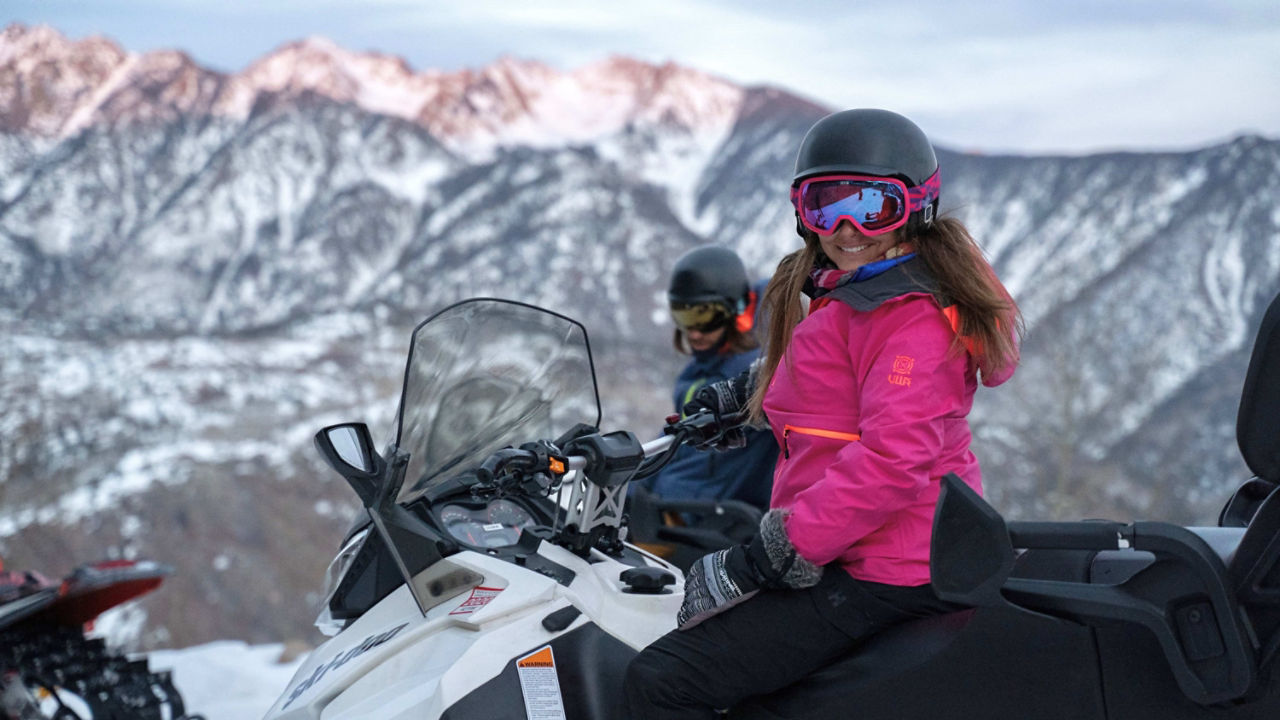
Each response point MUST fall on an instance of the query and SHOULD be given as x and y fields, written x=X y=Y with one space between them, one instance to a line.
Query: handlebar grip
x=499 y=460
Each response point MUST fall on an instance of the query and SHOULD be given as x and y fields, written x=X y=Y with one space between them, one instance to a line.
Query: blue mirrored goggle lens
x=873 y=205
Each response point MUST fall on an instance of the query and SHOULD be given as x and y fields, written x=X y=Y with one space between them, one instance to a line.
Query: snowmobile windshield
x=485 y=374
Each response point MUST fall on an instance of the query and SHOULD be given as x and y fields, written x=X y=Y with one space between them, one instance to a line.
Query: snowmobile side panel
x=1138 y=684
x=394 y=627
x=589 y=664
x=371 y=577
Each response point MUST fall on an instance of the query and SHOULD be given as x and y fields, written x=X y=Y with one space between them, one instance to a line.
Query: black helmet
x=866 y=142
x=712 y=280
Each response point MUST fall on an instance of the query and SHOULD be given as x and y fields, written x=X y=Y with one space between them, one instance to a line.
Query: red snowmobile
x=50 y=669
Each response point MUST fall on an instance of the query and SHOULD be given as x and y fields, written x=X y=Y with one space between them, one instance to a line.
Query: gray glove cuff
x=793 y=570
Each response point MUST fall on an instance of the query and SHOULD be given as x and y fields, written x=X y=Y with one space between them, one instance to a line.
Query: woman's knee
x=646 y=672
x=661 y=679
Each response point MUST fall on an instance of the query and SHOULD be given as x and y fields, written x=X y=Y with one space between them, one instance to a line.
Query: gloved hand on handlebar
x=727 y=401
x=727 y=577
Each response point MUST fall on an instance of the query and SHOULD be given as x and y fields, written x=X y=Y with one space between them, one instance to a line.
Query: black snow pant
x=765 y=644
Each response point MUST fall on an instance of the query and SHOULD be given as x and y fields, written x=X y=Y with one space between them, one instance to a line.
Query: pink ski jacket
x=869 y=410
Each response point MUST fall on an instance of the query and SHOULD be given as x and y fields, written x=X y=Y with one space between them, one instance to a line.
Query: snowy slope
x=227 y=680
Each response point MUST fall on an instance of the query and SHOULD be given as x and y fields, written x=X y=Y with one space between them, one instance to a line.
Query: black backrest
x=1255 y=568
x=1255 y=573
x=1258 y=422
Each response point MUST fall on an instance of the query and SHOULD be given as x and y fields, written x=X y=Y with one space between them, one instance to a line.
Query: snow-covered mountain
x=197 y=270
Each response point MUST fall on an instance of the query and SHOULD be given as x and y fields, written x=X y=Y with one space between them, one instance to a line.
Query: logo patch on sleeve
x=901 y=374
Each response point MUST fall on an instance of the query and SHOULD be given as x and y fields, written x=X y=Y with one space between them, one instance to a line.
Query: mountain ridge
x=459 y=107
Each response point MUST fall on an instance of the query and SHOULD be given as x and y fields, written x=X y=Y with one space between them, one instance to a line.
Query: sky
x=1023 y=76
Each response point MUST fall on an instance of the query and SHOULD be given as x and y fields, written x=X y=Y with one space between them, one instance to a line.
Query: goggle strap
x=922 y=196
x=747 y=318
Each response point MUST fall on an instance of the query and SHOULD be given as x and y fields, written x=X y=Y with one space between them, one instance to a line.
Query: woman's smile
x=849 y=249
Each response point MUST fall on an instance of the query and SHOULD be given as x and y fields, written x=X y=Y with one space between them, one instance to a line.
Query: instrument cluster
x=493 y=525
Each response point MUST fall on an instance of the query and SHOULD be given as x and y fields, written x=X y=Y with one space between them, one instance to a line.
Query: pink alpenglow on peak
x=53 y=87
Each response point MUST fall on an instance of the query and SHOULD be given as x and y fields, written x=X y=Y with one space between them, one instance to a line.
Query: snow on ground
x=227 y=680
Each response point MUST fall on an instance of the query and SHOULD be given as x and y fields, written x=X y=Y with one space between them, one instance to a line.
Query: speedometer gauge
x=509 y=514
x=462 y=525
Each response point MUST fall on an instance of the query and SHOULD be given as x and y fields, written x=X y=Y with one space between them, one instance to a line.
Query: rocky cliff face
x=197 y=270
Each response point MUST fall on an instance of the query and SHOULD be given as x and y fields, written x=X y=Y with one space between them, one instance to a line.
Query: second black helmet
x=709 y=275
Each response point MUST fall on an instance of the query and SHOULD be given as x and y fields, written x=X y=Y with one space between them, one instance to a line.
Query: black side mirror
x=348 y=448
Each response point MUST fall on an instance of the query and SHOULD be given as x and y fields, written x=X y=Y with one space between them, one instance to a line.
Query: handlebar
x=651 y=448
x=606 y=462
x=613 y=458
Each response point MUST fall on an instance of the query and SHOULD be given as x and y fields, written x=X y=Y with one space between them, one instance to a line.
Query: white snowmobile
x=492 y=578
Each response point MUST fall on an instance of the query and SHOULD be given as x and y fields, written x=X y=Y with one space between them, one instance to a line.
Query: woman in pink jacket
x=866 y=387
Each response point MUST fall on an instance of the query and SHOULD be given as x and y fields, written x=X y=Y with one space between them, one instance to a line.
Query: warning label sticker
x=540 y=685
x=479 y=597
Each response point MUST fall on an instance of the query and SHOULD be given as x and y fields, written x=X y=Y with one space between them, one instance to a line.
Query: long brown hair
x=989 y=319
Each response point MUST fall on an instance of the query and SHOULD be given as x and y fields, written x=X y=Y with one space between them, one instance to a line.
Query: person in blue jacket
x=713 y=307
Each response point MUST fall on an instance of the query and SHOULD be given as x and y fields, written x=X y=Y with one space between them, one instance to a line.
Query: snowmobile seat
x=1258 y=423
x=1255 y=576
x=900 y=648
x=1258 y=420
x=1254 y=570
x=951 y=650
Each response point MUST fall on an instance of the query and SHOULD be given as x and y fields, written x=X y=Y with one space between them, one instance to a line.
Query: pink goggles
x=875 y=205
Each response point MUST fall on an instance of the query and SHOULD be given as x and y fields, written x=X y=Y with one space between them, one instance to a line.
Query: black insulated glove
x=727 y=401
x=715 y=583
x=727 y=577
